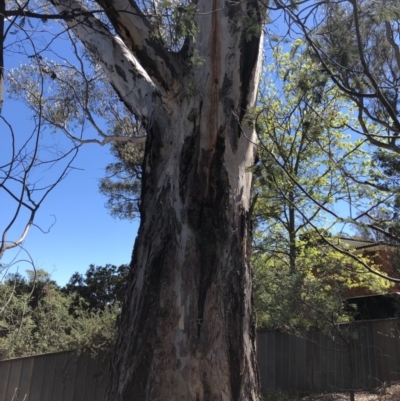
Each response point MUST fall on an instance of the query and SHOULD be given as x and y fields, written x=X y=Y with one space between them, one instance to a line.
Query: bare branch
x=2 y=10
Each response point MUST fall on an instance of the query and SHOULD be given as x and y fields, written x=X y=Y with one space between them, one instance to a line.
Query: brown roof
x=362 y=245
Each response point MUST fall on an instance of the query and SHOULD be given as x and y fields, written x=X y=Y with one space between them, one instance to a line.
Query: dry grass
x=383 y=393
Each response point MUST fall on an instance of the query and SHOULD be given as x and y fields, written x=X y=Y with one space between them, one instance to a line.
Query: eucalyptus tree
x=357 y=43
x=311 y=173
x=310 y=177
x=186 y=74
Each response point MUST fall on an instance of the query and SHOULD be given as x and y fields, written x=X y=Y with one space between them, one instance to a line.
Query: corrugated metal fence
x=318 y=364
x=62 y=376
x=287 y=362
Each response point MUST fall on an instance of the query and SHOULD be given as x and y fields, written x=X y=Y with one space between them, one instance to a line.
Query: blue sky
x=83 y=232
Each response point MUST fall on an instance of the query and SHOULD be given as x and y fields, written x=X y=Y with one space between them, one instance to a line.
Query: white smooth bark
x=130 y=80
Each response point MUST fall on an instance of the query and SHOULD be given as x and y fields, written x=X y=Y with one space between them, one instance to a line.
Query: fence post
x=350 y=347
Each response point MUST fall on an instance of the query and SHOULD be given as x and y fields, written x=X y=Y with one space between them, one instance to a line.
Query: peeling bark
x=130 y=80
x=136 y=32
x=187 y=329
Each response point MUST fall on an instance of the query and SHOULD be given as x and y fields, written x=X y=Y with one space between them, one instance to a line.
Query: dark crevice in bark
x=120 y=72
x=187 y=161
x=229 y=108
x=235 y=376
x=249 y=56
x=208 y=260
x=213 y=223
x=234 y=10
x=208 y=394
x=225 y=89
x=235 y=297
x=151 y=159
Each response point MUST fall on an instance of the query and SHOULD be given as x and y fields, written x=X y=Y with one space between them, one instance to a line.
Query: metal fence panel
x=62 y=376
x=318 y=364
x=287 y=362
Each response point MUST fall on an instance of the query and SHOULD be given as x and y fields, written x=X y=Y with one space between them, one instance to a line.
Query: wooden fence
x=286 y=362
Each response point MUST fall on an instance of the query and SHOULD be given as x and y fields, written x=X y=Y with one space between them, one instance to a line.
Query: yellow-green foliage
x=305 y=148
x=307 y=166
x=313 y=295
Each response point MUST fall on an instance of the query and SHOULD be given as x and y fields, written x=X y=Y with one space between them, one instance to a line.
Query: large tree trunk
x=187 y=330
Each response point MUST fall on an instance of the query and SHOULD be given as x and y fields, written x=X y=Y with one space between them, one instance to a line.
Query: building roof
x=362 y=244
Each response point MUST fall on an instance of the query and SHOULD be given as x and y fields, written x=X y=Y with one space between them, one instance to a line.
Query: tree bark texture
x=187 y=330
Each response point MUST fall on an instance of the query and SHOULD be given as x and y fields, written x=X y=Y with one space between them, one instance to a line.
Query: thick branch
x=129 y=79
x=136 y=31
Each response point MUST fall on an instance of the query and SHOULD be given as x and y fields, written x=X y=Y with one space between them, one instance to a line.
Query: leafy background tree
x=122 y=182
x=357 y=46
x=41 y=317
x=100 y=288
x=312 y=296
x=307 y=165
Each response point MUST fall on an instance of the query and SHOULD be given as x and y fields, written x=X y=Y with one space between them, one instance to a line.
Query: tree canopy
x=37 y=316
x=308 y=164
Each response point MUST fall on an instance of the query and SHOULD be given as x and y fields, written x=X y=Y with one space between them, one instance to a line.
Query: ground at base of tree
x=385 y=392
